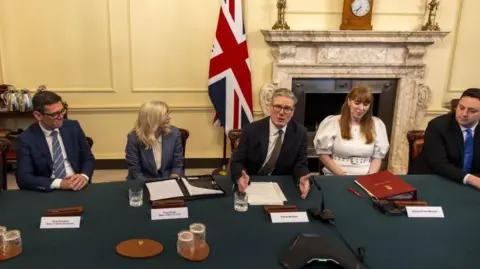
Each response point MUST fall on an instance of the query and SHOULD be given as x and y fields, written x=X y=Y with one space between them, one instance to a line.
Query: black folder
x=198 y=183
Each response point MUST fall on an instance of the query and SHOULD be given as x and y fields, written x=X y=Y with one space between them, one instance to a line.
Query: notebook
x=385 y=185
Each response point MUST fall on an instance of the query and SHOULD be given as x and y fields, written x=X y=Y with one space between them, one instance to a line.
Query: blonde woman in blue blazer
x=154 y=147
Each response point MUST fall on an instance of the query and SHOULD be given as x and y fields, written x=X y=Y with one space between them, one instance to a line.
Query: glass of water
x=135 y=196
x=3 y=230
x=199 y=233
x=185 y=244
x=12 y=243
x=240 y=201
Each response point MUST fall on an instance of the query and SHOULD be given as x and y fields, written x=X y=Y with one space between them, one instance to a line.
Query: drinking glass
x=135 y=196
x=185 y=244
x=240 y=201
x=12 y=243
x=199 y=233
x=3 y=230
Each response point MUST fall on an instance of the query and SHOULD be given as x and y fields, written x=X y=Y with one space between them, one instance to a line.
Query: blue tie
x=58 y=162
x=468 y=151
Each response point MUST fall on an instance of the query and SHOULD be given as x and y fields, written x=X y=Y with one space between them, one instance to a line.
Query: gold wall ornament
x=431 y=24
x=281 y=24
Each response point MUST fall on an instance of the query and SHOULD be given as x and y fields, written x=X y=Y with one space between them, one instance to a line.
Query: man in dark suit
x=273 y=146
x=53 y=153
x=452 y=143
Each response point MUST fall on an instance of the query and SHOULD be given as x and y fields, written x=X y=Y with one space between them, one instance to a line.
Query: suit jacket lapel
x=287 y=140
x=148 y=153
x=476 y=145
x=458 y=138
x=166 y=145
x=67 y=144
x=264 y=137
x=42 y=144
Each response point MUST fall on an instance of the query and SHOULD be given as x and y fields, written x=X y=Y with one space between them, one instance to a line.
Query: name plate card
x=169 y=213
x=60 y=222
x=289 y=217
x=425 y=212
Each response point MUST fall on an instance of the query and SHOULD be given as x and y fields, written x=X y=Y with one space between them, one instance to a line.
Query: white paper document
x=265 y=193
x=197 y=190
x=164 y=189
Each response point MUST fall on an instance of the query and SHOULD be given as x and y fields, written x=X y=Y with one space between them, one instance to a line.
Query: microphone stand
x=322 y=214
x=327 y=216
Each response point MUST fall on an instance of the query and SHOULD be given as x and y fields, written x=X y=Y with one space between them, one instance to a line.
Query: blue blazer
x=141 y=162
x=34 y=160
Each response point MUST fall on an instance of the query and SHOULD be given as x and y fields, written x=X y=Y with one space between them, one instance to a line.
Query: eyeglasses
x=286 y=109
x=56 y=114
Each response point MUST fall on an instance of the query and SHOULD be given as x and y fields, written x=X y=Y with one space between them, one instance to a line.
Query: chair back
x=89 y=139
x=4 y=148
x=234 y=136
x=415 y=144
x=184 y=133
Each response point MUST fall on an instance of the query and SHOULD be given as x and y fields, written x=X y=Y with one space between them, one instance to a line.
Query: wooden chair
x=453 y=105
x=89 y=139
x=4 y=148
x=234 y=136
x=415 y=145
x=184 y=134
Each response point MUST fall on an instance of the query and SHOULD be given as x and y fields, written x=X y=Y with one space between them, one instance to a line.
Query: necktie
x=270 y=165
x=468 y=151
x=58 y=162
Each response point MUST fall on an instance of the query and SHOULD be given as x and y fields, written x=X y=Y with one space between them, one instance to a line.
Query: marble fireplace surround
x=358 y=54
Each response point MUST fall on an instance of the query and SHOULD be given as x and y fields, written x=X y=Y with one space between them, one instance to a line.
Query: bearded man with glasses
x=274 y=145
x=53 y=153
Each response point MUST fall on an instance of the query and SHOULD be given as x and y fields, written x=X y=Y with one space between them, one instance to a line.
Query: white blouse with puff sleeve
x=354 y=156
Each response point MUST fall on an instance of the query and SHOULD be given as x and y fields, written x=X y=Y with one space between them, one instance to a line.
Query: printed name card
x=289 y=217
x=60 y=222
x=169 y=213
x=425 y=212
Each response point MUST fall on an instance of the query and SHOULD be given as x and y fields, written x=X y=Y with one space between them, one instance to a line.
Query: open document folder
x=191 y=187
x=265 y=193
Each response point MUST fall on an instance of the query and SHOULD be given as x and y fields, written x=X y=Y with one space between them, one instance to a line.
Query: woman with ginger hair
x=354 y=142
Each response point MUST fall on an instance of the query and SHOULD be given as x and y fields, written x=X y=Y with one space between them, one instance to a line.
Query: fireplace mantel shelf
x=358 y=55
x=315 y=36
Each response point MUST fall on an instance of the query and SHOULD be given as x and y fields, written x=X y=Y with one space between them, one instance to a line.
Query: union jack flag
x=229 y=83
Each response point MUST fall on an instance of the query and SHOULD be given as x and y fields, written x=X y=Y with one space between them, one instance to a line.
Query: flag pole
x=223 y=170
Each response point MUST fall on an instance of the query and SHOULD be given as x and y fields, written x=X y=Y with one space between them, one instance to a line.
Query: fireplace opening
x=318 y=106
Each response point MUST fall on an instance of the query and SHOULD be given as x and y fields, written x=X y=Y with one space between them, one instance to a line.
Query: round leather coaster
x=14 y=253
x=201 y=253
x=139 y=248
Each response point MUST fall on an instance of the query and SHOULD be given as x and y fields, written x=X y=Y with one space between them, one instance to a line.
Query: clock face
x=360 y=8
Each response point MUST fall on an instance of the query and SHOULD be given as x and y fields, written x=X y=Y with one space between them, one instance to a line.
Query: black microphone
x=320 y=213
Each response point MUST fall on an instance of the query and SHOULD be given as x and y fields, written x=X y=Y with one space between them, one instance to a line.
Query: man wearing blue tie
x=452 y=143
x=53 y=153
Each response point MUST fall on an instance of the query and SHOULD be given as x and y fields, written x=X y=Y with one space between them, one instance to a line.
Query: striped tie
x=58 y=162
x=468 y=151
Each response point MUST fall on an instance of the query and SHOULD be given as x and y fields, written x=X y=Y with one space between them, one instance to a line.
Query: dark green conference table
x=249 y=239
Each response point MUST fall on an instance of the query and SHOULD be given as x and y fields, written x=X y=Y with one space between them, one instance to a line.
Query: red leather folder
x=387 y=186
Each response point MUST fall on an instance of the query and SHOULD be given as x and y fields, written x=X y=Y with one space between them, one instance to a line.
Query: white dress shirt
x=464 y=132
x=68 y=167
x=273 y=134
x=157 y=153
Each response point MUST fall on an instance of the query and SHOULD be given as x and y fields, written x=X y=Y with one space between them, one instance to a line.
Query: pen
x=355 y=192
